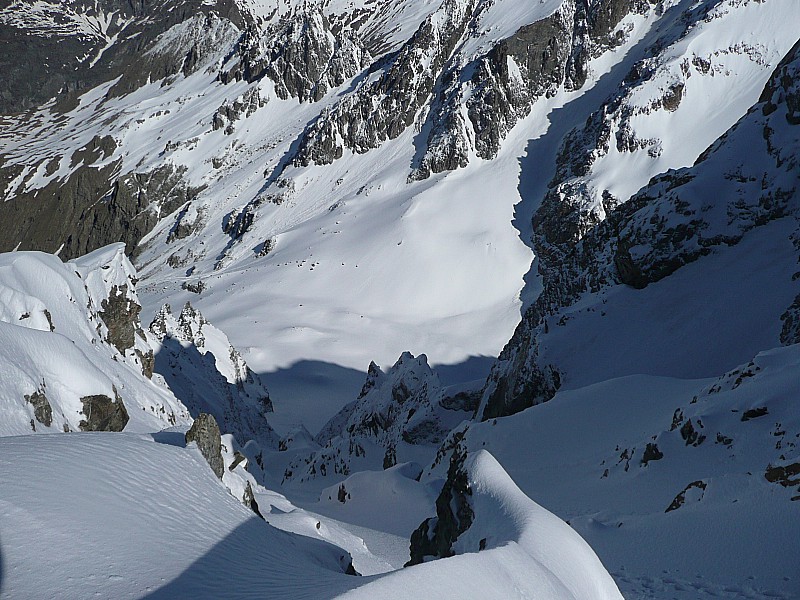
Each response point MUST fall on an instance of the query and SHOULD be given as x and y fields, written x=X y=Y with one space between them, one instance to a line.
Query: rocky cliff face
x=300 y=54
x=435 y=537
x=383 y=108
x=395 y=411
x=210 y=376
x=477 y=107
x=469 y=103
x=746 y=179
x=95 y=42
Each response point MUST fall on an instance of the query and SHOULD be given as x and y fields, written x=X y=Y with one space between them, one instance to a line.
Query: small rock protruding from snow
x=205 y=433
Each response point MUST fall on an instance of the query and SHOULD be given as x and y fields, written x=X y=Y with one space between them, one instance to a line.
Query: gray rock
x=790 y=332
x=42 y=410
x=32 y=75
x=121 y=315
x=454 y=515
x=301 y=54
x=384 y=108
x=103 y=414
x=205 y=433
x=91 y=216
x=249 y=500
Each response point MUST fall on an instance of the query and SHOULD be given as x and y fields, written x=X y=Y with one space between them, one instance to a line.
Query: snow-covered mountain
x=399 y=416
x=603 y=194
x=74 y=355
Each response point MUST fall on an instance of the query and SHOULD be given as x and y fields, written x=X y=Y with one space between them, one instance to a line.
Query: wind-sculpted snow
x=156 y=524
x=513 y=548
x=72 y=345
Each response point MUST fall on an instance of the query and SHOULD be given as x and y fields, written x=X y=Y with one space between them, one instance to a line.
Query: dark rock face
x=121 y=316
x=205 y=432
x=91 y=216
x=501 y=85
x=790 y=332
x=42 y=410
x=103 y=414
x=787 y=475
x=754 y=413
x=197 y=38
x=301 y=55
x=41 y=59
x=454 y=515
x=651 y=452
x=680 y=499
x=230 y=112
x=249 y=500
x=466 y=401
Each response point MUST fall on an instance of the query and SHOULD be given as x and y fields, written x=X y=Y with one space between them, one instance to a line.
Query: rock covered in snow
x=395 y=412
x=74 y=354
x=210 y=376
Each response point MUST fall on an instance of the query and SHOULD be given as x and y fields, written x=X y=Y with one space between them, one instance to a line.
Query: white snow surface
x=530 y=552
x=158 y=524
x=124 y=516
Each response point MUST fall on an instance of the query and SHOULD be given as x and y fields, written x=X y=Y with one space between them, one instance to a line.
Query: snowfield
x=139 y=516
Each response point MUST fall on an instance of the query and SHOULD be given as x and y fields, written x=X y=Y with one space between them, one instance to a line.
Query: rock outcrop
x=96 y=42
x=209 y=375
x=396 y=410
x=300 y=54
x=101 y=413
x=435 y=537
x=205 y=433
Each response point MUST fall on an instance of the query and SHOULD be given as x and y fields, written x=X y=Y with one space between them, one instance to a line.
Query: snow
x=530 y=552
x=572 y=439
x=367 y=265
x=157 y=524
x=72 y=360
x=166 y=527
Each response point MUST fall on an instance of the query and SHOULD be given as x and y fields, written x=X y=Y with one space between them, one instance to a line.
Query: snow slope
x=730 y=532
x=529 y=552
x=157 y=524
x=56 y=348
